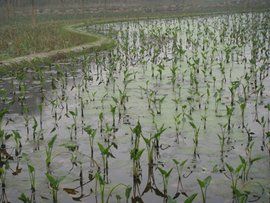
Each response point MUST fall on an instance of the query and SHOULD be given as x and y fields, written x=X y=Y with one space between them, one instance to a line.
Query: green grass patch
x=21 y=40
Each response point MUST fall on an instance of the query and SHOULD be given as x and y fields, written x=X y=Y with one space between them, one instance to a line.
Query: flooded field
x=178 y=111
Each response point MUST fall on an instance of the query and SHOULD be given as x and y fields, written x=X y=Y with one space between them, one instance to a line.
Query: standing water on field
x=177 y=111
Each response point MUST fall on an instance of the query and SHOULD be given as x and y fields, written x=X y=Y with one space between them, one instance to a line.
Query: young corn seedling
x=177 y=122
x=233 y=88
x=25 y=199
x=204 y=185
x=257 y=91
x=159 y=132
x=34 y=127
x=173 y=69
x=54 y=183
x=135 y=155
x=91 y=134
x=105 y=153
x=17 y=138
x=26 y=120
x=204 y=117
x=242 y=104
x=235 y=175
x=100 y=180
x=191 y=198
x=113 y=111
x=160 y=102
x=268 y=116
x=150 y=148
x=262 y=123
x=217 y=96
x=32 y=176
x=165 y=177
x=49 y=149
x=229 y=113
x=40 y=109
x=196 y=138
x=3 y=173
x=101 y=119
x=74 y=115
x=222 y=140
x=247 y=163
x=161 y=68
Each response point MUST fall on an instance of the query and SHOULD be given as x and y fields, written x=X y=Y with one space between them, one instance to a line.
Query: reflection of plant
x=179 y=167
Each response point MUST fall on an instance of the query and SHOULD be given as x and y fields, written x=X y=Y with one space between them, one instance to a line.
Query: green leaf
x=102 y=149
x=171 y=200
x=230 y=168
x=191 y=198
x=175 y=161
x=207 y=181
x=201 y=183
x=72 y=113
x=128 y=192
x=24 y=198
x=192 y=125
x=31 y=168
x=256 y=159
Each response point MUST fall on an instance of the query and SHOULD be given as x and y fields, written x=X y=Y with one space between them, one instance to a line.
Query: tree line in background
x=32 y=8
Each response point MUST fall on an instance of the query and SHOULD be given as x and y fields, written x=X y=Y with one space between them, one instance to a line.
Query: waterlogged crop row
x=178 y=111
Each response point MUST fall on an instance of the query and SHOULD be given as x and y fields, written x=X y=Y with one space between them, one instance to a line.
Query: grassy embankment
x=52 y=40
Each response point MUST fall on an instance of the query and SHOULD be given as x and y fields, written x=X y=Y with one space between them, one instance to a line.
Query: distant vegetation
x=18 y=10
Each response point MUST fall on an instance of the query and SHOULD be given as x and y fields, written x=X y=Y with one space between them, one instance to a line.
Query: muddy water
x=87 y=85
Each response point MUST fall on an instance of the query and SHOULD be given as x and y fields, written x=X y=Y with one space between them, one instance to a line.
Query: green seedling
x=32 y=176
x=49 y=149
x=91 y=134
x=54 y=183
x=165 y=177
x=204 y=185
